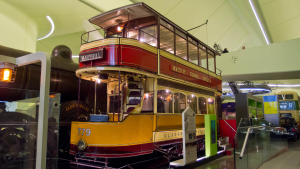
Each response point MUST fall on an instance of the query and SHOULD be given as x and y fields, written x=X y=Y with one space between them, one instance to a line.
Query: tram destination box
x=92 y=55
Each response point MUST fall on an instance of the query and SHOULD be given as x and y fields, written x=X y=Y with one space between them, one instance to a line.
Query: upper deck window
x=166 y=39
x=132 y=30
x=181 y=45
x=148 y=35
x=211 y=62
x=289 y=96
x=165 y=24
x=202 y=56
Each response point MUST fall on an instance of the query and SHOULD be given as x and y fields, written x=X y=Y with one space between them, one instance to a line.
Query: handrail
x=88 y=34
x=229 y=125
x=246 y=139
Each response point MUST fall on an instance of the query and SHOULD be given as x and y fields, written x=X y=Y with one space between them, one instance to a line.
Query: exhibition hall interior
x=149 y=84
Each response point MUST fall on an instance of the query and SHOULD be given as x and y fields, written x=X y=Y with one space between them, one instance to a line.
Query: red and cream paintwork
x=138 y=134
x=133 y=53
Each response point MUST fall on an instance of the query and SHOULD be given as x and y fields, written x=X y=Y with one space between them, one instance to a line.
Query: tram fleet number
x=86 y=131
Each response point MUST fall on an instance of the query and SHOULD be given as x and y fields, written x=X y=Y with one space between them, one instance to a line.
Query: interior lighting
x=98 y=80
x=7 y=72
x=142 y=40
x=167 y=91
x=210 y=100
x=120 y=28
x=193 y=95
x=147 y=95
x=260 y=25
x=75 y=56
x=52 y=28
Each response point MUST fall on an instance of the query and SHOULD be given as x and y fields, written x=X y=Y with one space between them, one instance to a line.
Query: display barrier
x=257 y=143
x=18 y=134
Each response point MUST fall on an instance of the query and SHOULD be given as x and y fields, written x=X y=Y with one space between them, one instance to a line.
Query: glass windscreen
x=288 y=105
x=179 y=102
x=148 y=35
x=164 y=101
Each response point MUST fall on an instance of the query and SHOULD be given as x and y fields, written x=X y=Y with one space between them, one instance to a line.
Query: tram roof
x=137 y=10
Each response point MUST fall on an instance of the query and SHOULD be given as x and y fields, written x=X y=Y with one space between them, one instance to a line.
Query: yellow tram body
x=136 y=130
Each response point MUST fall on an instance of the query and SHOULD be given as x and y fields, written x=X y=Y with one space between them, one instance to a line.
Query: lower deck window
x=164 y=101
x=179 y=102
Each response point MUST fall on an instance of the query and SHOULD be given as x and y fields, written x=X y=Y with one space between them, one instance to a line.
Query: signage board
x=189 y=138
x=91 y=55
x=189 y=73
x=271 y=109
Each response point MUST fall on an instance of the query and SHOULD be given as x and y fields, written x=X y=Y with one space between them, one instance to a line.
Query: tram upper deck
x=138 y=37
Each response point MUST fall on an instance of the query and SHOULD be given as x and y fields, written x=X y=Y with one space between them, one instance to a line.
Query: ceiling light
x=261 y=27
x=98 y=80
x=283 y=85
x=52 y=28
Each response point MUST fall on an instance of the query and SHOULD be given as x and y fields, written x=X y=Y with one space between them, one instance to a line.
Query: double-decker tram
x=154 y=70
x=289 y=104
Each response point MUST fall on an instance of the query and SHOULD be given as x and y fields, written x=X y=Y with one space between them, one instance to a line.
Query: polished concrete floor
x=226 y=162
x=288 y=160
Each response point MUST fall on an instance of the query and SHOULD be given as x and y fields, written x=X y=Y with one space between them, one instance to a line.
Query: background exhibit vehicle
x=289 y=103
x=154 y=70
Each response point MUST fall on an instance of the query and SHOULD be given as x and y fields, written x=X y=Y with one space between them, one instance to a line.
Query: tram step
x=129 y=109
x=134 y=97
x=134 y=101
x=134 y=93
x=137 y=90
x=130 y=105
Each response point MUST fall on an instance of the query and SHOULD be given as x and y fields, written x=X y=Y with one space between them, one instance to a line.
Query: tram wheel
x=10 y=147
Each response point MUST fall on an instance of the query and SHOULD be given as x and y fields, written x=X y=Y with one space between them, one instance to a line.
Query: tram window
x=192 y=102
x=147 y=103
x=211 y=63
x=148 y=35
x=179 y=102
x=289 y=96
x=164 y=101
x=193 y=54
x=131 y=30
x=202 y=105
x=203 y=58
x=280 y=97
x=181 y=47
x=166 y=40
x=211 y=106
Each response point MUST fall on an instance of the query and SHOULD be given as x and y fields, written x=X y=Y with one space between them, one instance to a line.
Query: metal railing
x=87 y=34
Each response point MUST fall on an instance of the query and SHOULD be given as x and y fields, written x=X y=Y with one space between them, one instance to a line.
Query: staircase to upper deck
x=134 y=96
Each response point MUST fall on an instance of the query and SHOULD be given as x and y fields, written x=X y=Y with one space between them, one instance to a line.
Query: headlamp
x=81 y=145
